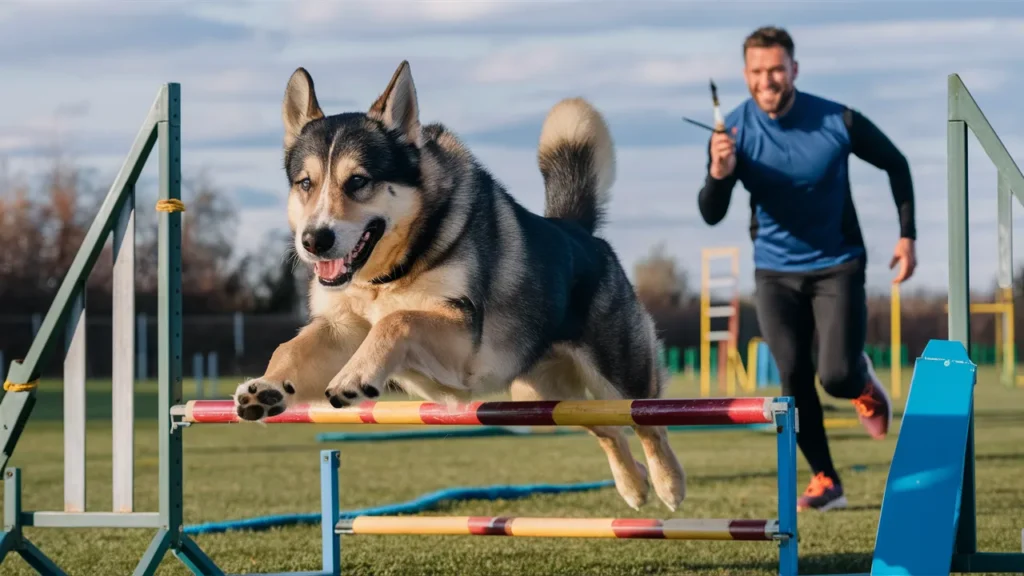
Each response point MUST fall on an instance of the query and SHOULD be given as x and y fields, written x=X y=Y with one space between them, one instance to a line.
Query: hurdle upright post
x=785 y=433
x=169 y=361
x=169 y=372
x=330 y=514
x=958 y=299
x=705 y=326
x=123 y=356
x=1004 y=279
x=74 y=404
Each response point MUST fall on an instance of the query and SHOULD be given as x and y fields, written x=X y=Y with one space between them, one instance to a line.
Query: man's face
x=770 y=73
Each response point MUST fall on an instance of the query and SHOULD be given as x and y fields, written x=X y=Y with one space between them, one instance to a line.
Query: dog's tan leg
x=557 y=378
x=436 y=343
x=667 y=473
x=300 y=369
x=630 y=476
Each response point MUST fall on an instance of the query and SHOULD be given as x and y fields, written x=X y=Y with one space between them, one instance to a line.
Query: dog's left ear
x=397 y=107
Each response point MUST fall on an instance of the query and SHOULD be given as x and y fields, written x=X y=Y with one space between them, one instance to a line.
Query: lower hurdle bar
x=671 y=529
x=779 y=411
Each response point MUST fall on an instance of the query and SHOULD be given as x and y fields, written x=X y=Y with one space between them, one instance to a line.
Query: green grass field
x=241 y=471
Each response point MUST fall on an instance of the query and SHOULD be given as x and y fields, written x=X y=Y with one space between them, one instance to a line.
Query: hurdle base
x=12 y=539
x=15 y=541
x=996 y=562
x=185 y=550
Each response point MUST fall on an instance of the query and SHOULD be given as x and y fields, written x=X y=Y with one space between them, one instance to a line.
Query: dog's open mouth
x=339 y=271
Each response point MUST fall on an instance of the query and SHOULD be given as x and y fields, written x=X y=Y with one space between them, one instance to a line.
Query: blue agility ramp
x=921 y=506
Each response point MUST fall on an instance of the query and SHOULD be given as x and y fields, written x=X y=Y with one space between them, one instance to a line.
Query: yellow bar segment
x=404 y=412
x=448 y=525
x=593 y=412
x=329 y=415
x=562 y=527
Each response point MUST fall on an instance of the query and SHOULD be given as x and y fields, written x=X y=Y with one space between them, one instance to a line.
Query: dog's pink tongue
x=329 y=269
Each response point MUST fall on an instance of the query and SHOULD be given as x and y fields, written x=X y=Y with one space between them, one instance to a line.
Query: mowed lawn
x=243 y=471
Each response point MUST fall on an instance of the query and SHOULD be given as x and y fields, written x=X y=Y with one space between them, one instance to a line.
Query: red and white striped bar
x=661 y=412
x=672 y=529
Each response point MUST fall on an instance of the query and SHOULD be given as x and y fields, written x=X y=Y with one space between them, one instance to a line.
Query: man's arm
x=713 y=199
x=868 y=143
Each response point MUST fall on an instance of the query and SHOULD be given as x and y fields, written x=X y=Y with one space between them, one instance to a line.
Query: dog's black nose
x=318 y=241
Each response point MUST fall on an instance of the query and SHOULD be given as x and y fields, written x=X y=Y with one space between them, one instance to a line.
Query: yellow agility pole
x=1006 y=340
x=896 y=346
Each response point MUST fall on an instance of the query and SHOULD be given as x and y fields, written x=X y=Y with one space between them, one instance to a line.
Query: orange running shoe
x=874 y=408
x=822 y=494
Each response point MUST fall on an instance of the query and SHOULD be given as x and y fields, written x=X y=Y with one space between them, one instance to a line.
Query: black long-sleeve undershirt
x=867 y=142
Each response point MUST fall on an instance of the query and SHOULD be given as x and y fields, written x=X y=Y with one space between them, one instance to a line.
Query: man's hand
x=723 y=155
x=904 y=255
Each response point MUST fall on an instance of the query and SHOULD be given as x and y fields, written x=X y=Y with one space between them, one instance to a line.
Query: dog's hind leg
x=666 y=472
x=558 y=378
x=300 y=369
x=630 y=476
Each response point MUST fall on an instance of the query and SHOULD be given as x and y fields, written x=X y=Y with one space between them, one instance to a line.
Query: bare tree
x=659 y=281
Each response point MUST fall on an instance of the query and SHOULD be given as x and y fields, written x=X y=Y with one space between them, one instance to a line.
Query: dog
x=427 y=272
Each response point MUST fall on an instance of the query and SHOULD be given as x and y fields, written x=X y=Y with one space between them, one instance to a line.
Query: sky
x=84 y=74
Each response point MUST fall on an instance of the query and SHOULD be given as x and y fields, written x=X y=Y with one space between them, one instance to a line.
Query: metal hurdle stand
x=779 y=411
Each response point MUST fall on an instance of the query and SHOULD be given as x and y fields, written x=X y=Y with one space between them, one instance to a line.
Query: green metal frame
x=965 y=114
x=162 y=126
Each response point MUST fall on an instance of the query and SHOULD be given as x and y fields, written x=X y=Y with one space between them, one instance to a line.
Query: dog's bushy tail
x=577 y=161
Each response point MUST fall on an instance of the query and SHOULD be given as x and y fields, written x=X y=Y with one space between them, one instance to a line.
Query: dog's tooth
x=366 y=236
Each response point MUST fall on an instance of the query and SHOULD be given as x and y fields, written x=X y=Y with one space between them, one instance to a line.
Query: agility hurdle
x=730 y=367
x=776 y=411
x=64 y=326
x=964 y=114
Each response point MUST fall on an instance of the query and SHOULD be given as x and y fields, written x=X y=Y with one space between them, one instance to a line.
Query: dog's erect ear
x=300 y=105
x=397 y=107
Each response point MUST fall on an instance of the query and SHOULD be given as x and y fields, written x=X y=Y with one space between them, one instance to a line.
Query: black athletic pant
x=791 y=310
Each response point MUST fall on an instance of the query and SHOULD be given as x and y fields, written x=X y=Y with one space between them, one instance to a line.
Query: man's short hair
x=767 y=37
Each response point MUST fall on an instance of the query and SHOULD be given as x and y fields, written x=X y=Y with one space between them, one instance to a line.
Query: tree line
x=44 y=219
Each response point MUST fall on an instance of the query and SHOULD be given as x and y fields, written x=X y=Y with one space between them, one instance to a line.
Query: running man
x=791 y=150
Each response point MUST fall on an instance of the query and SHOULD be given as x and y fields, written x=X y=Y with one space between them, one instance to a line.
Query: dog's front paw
x=352 y=386
x=259 y=398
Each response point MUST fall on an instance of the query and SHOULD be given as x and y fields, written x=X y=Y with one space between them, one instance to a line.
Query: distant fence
x=242 y=343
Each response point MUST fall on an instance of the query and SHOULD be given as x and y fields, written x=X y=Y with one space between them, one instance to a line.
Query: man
x=790 y=150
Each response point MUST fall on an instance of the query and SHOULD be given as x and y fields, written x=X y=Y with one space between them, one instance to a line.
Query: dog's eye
x=355 y=183
x=305 y=184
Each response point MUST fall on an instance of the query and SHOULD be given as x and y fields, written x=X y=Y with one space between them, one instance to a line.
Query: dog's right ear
x=300 y=105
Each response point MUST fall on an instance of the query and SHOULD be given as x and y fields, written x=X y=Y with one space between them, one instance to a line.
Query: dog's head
x=355 y=179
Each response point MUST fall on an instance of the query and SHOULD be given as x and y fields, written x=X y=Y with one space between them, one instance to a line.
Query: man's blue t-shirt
x=796 y=169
